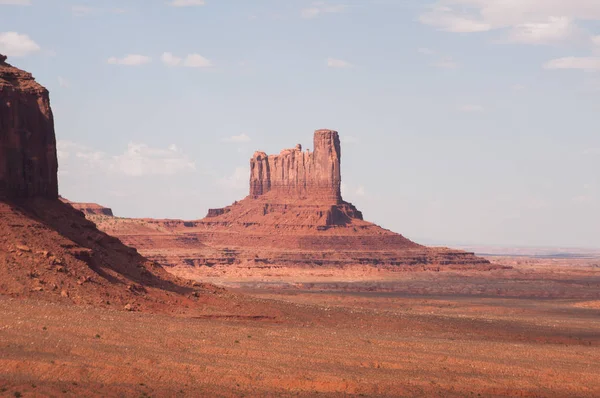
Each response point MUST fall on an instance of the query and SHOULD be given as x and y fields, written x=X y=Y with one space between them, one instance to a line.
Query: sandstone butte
x=50 y=250
x=294 y=216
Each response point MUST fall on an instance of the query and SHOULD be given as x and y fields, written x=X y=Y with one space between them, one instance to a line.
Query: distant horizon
x=464 y=245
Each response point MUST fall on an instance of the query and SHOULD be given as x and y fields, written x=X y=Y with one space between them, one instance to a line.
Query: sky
x=462 y=121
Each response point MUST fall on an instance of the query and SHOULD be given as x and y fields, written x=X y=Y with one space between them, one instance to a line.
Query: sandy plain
x=533 y=331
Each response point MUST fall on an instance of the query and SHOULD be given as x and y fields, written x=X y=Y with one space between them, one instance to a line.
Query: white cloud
x=319 y=8
x=190 y=61
x=137 y=160
x=238 y=138
x=140 y=159
x=553 y=30
x=360 y=191
x=14 y=44
x=425 y=51
x=15 y=2
x=338 y=63
x=582 y=63
x=238 y=180
x=524 y=21
x=130 y=60
x=67 y=150
x=445 y=18
x=196 y=61
x=170 y=59
x=62 y=82
x=310 y=12
x=186 y=3
x=518 y=87
x=471 y=108
x=527 y=21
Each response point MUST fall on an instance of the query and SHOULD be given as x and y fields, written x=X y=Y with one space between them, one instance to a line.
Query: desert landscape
x=529 y=331
x=289 y=291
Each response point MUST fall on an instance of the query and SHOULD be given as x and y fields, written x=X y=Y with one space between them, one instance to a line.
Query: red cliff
x=28 y=163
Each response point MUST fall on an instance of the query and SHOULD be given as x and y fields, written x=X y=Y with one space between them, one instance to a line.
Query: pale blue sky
x=463 y=121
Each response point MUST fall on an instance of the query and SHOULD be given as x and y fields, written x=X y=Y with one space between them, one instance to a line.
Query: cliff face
x=28 y=163
x=294 y=174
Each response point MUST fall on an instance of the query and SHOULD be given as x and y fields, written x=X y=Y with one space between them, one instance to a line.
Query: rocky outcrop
x=47 y=248
x=294 y=216
x=294 y=174
x=90 y=209
x=28 y=162
x=297 y=187
x=216 y=212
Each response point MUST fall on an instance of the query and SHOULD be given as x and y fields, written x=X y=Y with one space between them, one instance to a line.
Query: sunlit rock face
x=294 y=174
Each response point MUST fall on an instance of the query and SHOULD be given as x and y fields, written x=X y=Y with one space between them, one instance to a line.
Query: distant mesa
x=90 y=208
x=294 y=216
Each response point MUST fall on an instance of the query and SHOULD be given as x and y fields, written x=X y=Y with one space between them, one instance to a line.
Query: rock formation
x=28 y=163
x=48 y=249
x=89 y=208
x=294 y=174
x=294 y=216
x=308 y=183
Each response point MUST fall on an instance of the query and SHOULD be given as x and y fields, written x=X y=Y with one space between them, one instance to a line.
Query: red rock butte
x=28 y=162
x=294 y=216
x=309 y=182
x=294 y=174
x=48 y=249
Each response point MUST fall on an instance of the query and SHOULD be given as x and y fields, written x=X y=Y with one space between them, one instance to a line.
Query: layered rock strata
x=89 y=208
x=294 y=174
x=28 y=162
x=294 y=216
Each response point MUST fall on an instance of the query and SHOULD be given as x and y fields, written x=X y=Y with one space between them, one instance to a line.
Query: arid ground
x=533 y=331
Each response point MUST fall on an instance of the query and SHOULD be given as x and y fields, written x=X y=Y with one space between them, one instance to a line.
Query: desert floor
x=533 y=331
